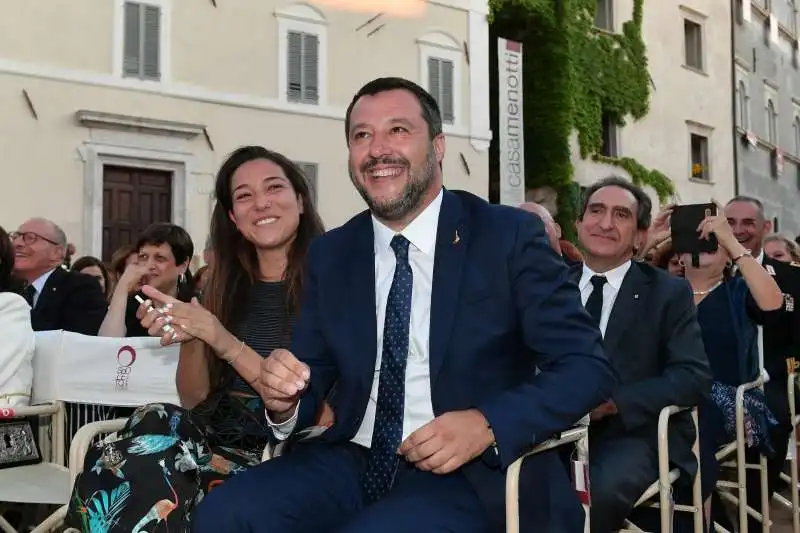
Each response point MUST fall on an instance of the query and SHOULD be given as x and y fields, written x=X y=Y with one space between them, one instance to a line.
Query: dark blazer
x=70 y=301
x=655 y=344
x=782 y=336
x=502 y=305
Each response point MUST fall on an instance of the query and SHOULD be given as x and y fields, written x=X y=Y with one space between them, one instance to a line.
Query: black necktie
x=28 y=293
x=388 y=432
x=595 y=302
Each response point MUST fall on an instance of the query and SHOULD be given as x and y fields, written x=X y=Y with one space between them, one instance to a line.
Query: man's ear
x=558 y=230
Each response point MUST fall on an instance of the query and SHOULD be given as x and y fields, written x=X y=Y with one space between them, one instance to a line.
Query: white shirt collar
x=39 y=282
x=614 y=276
x=760 y=257
x=421 y=232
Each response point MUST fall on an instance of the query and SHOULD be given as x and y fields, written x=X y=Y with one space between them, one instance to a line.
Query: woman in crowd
x=728 y=309
x=164 y=251
x=97 y=269
x=261 y=228
x=780 y=248
x=16 y=350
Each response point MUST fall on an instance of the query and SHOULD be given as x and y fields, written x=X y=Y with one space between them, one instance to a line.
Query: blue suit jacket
x=502 y=305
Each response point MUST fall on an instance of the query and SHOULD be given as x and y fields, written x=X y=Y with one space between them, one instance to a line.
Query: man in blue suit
x=455 y=341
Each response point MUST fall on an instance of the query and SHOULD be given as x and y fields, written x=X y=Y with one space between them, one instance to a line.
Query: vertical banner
x=512 y=145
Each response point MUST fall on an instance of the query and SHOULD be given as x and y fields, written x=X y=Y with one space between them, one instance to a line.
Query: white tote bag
x=103 y=370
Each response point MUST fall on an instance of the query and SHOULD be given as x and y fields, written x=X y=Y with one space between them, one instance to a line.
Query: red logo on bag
x=6 y=412
x=126 y=356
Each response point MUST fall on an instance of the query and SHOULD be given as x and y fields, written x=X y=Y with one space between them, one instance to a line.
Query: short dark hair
x=750 y=200
x=644 y=205
x=430 y=108
x=163 y=232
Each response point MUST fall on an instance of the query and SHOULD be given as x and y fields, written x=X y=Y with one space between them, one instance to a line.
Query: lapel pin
x=456 y=239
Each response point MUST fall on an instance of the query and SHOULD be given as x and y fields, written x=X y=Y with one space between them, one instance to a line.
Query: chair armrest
x=21 y=411
x=83 y=439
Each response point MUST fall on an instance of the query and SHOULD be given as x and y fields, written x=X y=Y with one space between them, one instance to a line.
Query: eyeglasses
x=29 y=237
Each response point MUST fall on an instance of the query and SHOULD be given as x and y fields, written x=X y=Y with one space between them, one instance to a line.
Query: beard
x=420 y=180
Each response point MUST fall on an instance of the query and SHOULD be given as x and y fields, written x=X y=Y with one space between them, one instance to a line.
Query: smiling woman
x=261 y=229
x=163 y=254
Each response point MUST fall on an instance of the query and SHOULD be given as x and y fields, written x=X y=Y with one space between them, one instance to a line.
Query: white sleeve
x=16 y=350
x=283 y=430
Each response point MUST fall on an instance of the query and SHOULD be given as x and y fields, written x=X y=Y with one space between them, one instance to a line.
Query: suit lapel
x=359 y=292
x=452 y=241
x=48 y=294
x=628 y=305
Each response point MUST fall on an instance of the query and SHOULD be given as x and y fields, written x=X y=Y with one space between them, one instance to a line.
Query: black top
x=234 y=416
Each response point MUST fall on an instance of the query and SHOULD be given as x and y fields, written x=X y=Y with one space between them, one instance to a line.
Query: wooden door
x=133 y=198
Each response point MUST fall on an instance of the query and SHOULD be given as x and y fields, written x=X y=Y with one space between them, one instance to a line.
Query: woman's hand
x=719 y=227
x=189 y=320
x=661 y=224
x=132 y=277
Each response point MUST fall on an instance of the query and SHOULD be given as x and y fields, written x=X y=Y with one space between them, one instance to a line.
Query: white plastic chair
x=667 y=478
x=735 y=492
x=47 y=482
x=579 y=435
x=794 y=489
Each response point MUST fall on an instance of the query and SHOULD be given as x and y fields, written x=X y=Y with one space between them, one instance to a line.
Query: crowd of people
x=428 y=342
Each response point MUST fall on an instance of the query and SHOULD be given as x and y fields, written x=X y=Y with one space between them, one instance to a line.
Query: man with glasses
x=59 y=299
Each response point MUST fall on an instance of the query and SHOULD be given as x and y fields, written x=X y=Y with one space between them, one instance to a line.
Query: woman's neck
x=272 y=264
x=702 y=280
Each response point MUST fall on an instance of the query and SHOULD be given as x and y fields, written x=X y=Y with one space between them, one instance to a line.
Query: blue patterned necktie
x=388 y=432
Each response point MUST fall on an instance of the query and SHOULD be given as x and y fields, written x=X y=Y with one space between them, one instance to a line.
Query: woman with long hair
x=261 y=229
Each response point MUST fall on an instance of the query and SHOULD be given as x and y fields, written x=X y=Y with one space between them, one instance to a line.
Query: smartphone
x=684 y=221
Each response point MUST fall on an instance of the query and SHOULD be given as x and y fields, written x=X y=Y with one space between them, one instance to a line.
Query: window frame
x=302 y=19
x=702 y=38
x=439 y=45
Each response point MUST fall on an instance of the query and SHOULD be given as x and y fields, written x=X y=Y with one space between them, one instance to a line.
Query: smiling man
x=430 y=312
x=650 y=331
x=59 y=299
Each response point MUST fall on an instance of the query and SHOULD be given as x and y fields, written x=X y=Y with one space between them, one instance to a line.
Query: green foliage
x=575 y=76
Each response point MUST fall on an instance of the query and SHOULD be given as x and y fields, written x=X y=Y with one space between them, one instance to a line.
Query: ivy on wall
x=575 y=76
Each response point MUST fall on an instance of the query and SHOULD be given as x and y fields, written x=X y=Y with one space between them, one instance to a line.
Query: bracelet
x=746 y=253
x=235 y=357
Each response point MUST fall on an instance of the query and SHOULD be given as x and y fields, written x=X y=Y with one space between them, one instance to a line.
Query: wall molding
x=200 y=94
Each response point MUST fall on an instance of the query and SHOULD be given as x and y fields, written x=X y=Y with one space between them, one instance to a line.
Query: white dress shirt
x=614 y=278
x=38 y=284
x=418 y=409
x=16 y=350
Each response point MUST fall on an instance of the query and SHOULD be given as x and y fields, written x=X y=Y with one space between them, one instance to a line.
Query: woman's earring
x=680 y=262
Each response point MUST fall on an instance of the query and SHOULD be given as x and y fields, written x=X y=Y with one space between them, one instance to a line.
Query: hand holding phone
x=688 y=228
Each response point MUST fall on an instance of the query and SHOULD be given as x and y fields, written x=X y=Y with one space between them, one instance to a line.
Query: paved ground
x=781 y=519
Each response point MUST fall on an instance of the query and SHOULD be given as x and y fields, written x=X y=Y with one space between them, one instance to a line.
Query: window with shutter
x=142 y=41
x=310 y=172
x=441 y=86
x=302 y=60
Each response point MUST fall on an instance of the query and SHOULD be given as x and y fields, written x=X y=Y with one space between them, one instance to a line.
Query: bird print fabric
x=152 y=475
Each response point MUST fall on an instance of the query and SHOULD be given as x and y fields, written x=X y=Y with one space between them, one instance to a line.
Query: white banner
x=103 y=370
x=512 y=145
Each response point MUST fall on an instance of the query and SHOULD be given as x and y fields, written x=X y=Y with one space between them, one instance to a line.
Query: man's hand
x=283 y=379
x=607 y=409
x=448 y=442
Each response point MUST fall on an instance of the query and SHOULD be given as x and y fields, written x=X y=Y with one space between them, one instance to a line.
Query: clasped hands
x=441 y=446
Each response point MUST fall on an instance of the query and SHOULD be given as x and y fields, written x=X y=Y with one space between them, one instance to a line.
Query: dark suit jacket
x=654 y=342
x=502 y=304
x=782 y=337
x=70 y=301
